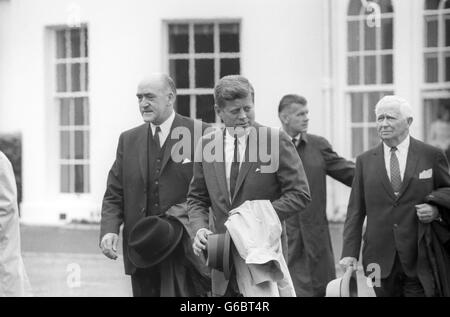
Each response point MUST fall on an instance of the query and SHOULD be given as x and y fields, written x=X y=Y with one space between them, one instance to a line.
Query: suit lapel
x=144 y=137
x=245 y=166
x=381 y=166
x=219 y=167
x=411 y=164
x=169 y=143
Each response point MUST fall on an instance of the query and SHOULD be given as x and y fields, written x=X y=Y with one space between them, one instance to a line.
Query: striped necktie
x=396 y=179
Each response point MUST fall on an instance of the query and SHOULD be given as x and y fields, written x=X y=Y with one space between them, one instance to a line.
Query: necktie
x=234 y=168
x=156 y=140
x=294 y=140
x=396 y=179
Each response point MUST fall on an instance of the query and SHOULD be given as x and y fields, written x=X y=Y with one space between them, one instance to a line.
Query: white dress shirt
x=229 y=153
x=402 y=155
x=165 y=128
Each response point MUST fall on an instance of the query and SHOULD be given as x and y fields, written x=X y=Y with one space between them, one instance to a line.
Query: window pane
x=65 y=145
x=432 y=4
x=386 y=6
x=60 y=44
x=370 y=70
x=372 y=100
x=229 y=66
x=61 y=76
x=357 y=141
x=446 y=4
x=79 y=178
x=386 y=34
x=76 y=76
x=354 y=7
x=431 y=68
x=79 y=145
x=229 y=37
x=431 y=33
x=353 y=70
x=373 y=137
x=204 y=38
x=179 y=71
x=64 y=112
x=369 y=37
x=357 y=107
x=447 y=30
x=387 y=69
x=178 y=38
x=75 y=42
x=86 y=50
x=80 y=112
x=447 y=68
x=86 y=77
x=205 y=108
x=204 y=73
x=183 y=105
x=65 y=178
x=353 y=36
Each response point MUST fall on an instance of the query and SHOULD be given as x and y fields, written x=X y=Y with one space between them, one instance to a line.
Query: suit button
x=156 y=182
x=143 y=210
x=395 y=226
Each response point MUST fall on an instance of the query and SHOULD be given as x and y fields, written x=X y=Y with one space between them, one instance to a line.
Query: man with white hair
x=390 y=188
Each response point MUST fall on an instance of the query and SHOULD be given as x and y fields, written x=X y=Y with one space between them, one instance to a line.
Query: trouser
x=146 y=283
x=398 y=284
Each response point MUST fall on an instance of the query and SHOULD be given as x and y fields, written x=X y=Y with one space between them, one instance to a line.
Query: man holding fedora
x=234 y=171
x=146 y=192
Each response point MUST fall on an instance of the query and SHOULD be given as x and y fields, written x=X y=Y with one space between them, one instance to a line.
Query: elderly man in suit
x=390 y=186
x=226 y=182
x=311 y=261
x=145 y=179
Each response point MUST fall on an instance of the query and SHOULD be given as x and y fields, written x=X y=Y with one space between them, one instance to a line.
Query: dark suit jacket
x=392 y=223
x=311 y=261
x=287 y=188
x=125 y=197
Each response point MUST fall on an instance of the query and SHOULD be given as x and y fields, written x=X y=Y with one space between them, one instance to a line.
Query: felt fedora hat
x=345 y=286
x=218 y=253
x=152 y=239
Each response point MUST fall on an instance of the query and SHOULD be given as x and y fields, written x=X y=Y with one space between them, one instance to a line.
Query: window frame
x=378 y=86
x=72 y=128
x=191 y=56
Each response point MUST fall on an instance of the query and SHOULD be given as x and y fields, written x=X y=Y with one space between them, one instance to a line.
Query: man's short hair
x=288 y=100
x=232 y=87
x=170 y=83
x=395 y=101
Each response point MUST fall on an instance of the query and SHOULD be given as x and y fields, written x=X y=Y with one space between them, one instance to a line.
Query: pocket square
x=257 y=170
x=426 y=174
x=186 y=160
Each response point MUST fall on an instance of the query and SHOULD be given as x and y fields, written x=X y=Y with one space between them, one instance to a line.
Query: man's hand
x=109 y=245
x=427 y=213
x=200 y=240
x=347 y=262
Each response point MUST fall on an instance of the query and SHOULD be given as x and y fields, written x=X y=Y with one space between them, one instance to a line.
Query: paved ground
x=66 y=261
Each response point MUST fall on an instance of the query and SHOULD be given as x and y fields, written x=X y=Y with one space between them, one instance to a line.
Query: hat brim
x=218 y=253
x=141 y=262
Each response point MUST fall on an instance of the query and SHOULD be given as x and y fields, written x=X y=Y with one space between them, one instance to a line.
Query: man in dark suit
x=311 y=261
x=230 y=176
x=146 y=179
x=390 y=186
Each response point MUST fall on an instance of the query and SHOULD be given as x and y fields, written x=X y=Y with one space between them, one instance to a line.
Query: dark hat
x=218 y=253
x=152 y=239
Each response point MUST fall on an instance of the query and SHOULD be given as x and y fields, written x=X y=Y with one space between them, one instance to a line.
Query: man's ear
x=217 y=109
x=284 y=118
x=172 y=98
x=409 y=120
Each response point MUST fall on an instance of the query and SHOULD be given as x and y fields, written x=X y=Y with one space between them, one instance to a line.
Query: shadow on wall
x=11 y=146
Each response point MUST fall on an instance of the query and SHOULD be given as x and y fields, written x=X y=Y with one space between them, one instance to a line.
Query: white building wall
x=281 y=47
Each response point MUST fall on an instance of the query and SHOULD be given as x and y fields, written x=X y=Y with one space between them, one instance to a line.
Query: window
x=436 y=90
x=199 y=54
x=370 y=44
x=437 y=41
x=72 y=99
